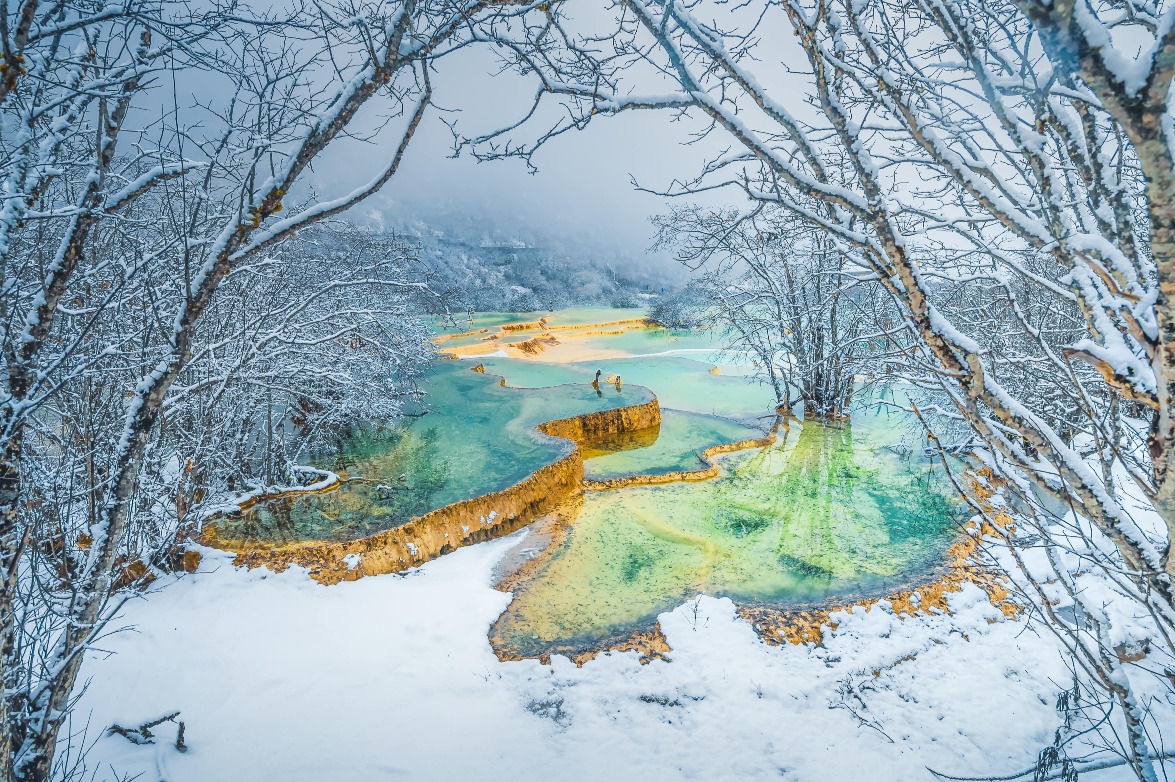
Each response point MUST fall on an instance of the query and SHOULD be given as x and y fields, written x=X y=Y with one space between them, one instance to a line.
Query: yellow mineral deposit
x=710 y=471
x=531 y=347
x=595 y=328
x=535 y=325
x=556 y=487
x=443 y=338
x=445 y=529
x=431 y=535
x=558 y=338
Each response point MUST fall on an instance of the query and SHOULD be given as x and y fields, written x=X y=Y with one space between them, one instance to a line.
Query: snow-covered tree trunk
x=126 y=252
x=1003 y=172
x=1137 y=95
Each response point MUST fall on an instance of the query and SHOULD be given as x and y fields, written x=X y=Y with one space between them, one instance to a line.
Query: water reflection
x=396 y=475
x=672 y=446
x=826 y=512
x=476 y=438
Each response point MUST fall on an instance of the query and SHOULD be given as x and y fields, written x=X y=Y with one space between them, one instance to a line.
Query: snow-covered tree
x=164 y=312
x=780 y=290
x=1004 y=171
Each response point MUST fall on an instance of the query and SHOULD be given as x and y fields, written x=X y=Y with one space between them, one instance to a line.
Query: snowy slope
x=391 y=677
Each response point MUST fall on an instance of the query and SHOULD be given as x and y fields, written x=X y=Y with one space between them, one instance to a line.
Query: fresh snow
x=391 y=677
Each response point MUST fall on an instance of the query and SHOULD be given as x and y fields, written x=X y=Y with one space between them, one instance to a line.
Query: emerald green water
x=533 y=374
x=641 y=342
x=827 y=512
x=477 y=437
x=831 y=511
x=680 y=383
x=685 y=384
x=673 y=447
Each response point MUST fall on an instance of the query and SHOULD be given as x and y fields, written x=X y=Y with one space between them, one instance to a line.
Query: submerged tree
x=782 y=291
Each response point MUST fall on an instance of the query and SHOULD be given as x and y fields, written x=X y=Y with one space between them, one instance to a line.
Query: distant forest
x=482 y=272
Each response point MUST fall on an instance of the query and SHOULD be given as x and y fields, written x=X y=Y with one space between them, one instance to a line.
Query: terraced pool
x=827 y=511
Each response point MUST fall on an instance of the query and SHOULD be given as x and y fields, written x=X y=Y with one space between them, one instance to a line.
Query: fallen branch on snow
x=144 y=735
x=1081 y=769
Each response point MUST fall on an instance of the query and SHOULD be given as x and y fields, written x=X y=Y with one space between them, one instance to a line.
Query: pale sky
x=582 y=191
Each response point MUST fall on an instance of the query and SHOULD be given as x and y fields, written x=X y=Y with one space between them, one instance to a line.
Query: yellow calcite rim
x=459 y=524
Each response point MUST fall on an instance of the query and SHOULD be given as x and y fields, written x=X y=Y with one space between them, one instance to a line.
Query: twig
x=1100 y=766
x=144 y=735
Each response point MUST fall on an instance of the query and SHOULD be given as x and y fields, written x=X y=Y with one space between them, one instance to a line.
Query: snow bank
x=391 y=677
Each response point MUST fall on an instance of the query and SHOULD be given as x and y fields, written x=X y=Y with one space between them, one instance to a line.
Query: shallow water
x=476 y=438
x=830 y=511
x=640 y=342
x=680 y=382
x=532 y=374
x=824 y=513
x=675 y=445
x=684 y=383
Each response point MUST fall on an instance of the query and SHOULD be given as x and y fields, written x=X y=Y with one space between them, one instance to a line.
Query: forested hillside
x=480 y=269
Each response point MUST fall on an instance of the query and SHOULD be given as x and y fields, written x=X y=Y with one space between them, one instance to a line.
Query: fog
x=585 y=190
x=590 y=189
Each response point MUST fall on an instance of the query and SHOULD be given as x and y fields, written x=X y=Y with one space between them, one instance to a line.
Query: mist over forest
x=486 y=269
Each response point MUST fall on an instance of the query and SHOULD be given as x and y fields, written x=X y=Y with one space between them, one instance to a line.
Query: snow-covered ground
x=391 y=677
